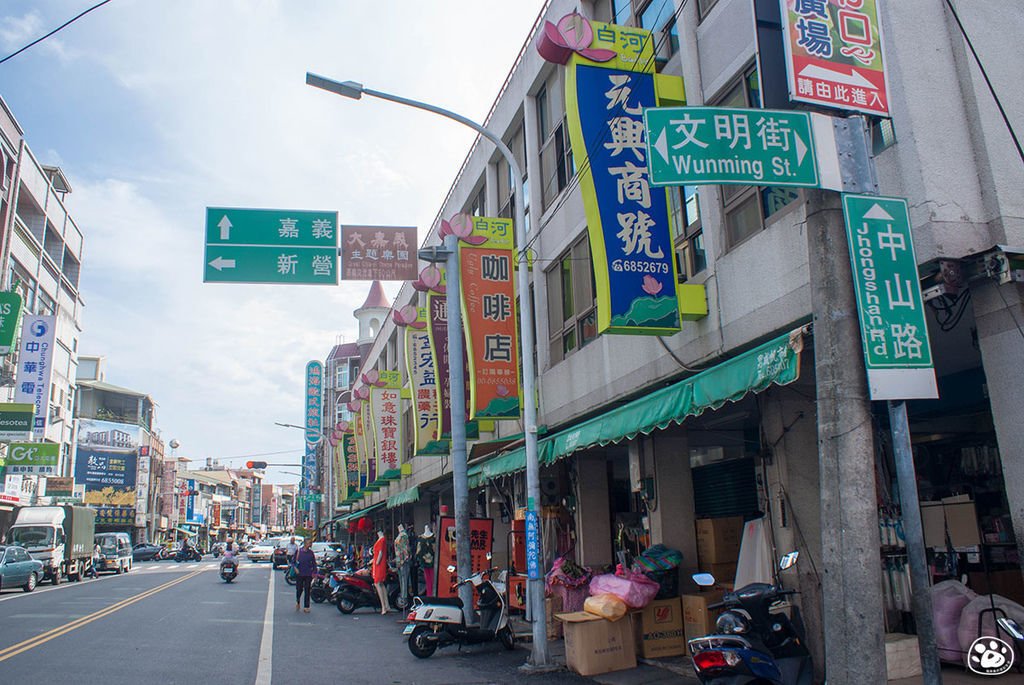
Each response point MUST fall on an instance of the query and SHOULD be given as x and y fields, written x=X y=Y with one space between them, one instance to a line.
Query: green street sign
x=16 y=421
x=312 y=497
x=271 y=246
x=893 y=325
x=10 y=320
x=723 y=146
x=33 y=458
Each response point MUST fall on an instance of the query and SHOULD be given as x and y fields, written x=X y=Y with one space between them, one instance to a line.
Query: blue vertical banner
x=313 y=420
x=533 y=565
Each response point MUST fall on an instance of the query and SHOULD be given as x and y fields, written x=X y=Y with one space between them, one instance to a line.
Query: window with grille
x=572 y=311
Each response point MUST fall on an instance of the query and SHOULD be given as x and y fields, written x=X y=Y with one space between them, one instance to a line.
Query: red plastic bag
x=635 y=589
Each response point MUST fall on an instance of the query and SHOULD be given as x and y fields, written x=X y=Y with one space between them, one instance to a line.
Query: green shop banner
x=33 y=458
x=10 y=320
x=16 y=420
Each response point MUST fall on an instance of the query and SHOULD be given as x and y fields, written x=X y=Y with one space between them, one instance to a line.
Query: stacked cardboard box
x=698 y=619
x=659 y=629
x=594 y=645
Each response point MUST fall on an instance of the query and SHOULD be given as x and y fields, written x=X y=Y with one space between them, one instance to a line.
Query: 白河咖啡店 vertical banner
x=893 y=322
x=386 y=410
x=609 y=80
x=419 y=361
x=488 y=297
x=834 y=54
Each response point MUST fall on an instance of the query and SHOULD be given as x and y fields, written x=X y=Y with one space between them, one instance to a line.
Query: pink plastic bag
x=636 y=590
x=948 y=601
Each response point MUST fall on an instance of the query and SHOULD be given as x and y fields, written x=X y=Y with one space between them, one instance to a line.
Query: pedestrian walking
x=403 y=560
x=97 y=554
x=425 y=557
x=305 y=564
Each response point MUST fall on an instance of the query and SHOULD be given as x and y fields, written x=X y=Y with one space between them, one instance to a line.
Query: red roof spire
x=376 y=298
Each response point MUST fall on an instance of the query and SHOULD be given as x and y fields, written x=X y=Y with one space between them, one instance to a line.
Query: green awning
x=405 y=497
x=774 y=363
x=359 y=513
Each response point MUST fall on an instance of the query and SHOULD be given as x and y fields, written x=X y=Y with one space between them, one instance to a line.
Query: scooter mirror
x=488 y=556
x=789 y=560
x=703 y=579
x=451 y=569
x=1011 y=627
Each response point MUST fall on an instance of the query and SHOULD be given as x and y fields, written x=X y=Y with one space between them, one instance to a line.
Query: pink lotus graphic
x=341 y=426
x=336 y=436
x=406 y=316
x=361 y=393
x=354 y=405
x=335 y=441
x=652 y=286
x=461 y=226
x=430 y=279
x=573 y=33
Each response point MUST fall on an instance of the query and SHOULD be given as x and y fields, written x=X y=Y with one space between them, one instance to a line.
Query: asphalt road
x=179 y=623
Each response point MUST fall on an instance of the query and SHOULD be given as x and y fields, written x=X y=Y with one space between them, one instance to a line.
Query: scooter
x=753 y=644
x=357 y=591
x=228 y=569
x=188 y=554
x=441 y=621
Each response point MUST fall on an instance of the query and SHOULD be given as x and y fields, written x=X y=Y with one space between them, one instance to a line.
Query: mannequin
x=425 y=557
x=403 y=560
x=380 y=570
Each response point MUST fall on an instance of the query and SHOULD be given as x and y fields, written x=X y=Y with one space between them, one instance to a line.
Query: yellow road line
x=43 y=638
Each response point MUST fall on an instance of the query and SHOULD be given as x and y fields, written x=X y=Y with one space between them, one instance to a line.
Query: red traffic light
x=255 y=464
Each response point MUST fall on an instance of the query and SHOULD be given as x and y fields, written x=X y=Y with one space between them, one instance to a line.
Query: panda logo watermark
x=990 y=656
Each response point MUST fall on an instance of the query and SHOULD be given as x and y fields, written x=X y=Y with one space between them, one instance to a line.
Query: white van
x=115 y=552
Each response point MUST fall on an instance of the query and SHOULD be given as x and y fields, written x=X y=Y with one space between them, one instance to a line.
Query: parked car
x=18 y=569
x=261 y=551
x=326 y=551
x=280 y=557
x=146 y=551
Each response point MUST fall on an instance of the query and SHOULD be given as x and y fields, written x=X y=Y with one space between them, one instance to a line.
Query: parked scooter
x=357 y=591
x=753 y=644
x=229 y=568
x=441 y=621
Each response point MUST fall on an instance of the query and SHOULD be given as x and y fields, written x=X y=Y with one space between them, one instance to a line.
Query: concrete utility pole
x=852 y=581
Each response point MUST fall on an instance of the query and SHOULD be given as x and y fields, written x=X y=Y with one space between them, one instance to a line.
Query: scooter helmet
x=732 y=623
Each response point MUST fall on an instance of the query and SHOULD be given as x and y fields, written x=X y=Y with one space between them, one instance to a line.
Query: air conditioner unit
x=56 y=413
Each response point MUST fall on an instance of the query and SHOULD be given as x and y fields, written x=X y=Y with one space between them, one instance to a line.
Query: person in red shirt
x=379 y=566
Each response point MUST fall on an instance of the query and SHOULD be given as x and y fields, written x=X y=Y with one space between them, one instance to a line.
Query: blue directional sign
x=533 y=565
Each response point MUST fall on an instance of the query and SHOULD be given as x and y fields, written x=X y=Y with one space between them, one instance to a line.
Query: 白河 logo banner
x=609 y=80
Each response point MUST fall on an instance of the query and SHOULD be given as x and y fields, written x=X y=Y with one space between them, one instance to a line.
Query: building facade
x=626 y=465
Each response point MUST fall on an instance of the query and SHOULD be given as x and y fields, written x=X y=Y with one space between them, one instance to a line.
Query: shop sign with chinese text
x=370 y=443
x=35 y=369
x=609 y=81
x=488 y=297
x=481 y=539
x=360 y=446
x=33 y=458
x=419 y=360
x=10 y=320
x=834 y=54
x=351 y=462
x=893 y=323
x=386 y=409
x=314 y=401
x=378 y=253
x=16 y=420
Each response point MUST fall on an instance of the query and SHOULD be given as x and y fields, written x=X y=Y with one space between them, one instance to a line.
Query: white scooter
x=441 y=621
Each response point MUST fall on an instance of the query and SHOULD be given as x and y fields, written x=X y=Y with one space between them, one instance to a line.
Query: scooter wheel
x=318 y=595
x=421 y=647
x=507 y=637
x=345 y=604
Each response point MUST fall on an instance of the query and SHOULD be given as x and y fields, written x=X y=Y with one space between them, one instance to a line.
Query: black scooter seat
x=443 y=601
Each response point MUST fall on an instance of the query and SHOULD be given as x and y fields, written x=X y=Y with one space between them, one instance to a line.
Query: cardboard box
x=961 y=522
x=718 y=540
x=933 y=520
x=698 y=620
x=659 y=629
x=594 y=645
x=552 y=606
x=725 y=574
x=902 y=656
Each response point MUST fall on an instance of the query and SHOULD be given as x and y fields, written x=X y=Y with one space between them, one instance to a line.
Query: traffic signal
x=255 y=464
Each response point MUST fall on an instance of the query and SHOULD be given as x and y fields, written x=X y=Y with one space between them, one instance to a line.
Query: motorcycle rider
x=230 y=551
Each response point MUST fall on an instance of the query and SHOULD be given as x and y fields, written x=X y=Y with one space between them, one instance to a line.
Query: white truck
x=60 y=537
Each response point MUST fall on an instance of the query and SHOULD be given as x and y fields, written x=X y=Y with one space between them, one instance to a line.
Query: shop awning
x=359 y=513
x=774 y=363
x=405 y=497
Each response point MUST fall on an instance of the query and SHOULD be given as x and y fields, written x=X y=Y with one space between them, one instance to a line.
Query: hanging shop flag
x=370 y=445
x=35 y=369
x=893 y=322
x=340 y=481
x=419 y=362
x=10 y=320
x=437 y=310
x=314 y=402
x=360 y=441
x=386 y=410
x=609 y=80
x=834 y=54
x=488 y=297
x=350 y=458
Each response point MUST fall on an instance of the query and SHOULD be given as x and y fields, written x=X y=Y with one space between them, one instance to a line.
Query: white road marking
x=264 y=670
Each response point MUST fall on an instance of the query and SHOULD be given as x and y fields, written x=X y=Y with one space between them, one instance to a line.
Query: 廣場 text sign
x=718 y=145
x=893 y=325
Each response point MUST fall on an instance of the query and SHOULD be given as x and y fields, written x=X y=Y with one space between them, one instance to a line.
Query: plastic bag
x=659 y=558
x=948 y=601
x=605 y=605
x=635 y=589
x=972 y=615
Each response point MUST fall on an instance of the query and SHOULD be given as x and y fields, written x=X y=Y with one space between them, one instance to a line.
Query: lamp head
x=349 y=89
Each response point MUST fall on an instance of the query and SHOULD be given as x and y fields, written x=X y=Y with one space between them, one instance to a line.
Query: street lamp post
x=535 y=586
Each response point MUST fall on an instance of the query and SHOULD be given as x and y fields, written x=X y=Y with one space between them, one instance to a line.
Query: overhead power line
x=69 y=22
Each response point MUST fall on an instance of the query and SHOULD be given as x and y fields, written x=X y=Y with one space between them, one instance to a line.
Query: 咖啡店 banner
x=386 y=410
x=609 y=80
x=488 y=297
x=834 y=54
x=419 y=360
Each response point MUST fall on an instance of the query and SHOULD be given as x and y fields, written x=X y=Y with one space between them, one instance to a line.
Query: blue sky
x=158 y=109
